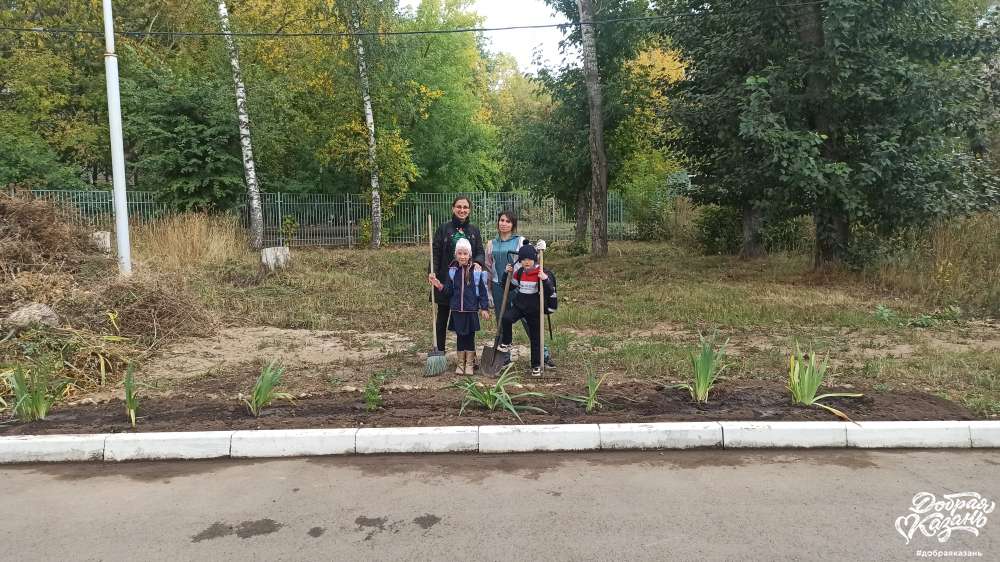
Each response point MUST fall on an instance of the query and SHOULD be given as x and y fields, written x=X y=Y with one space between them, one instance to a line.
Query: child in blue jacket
x=468 y=298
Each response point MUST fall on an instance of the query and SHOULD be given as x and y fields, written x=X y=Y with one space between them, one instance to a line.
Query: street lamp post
x=117 y=145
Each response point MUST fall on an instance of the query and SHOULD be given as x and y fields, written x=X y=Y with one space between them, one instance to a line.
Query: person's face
x=461 y=209
x=527 y=263
x=504 y=225
x=463 y=256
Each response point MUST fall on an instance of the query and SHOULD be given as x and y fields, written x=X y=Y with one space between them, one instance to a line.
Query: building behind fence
x=344 y=219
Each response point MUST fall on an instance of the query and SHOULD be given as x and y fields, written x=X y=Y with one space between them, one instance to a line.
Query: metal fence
x=344 y=219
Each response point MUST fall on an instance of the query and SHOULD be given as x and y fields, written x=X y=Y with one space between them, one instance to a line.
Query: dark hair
x=459 y=198
x=511 y=217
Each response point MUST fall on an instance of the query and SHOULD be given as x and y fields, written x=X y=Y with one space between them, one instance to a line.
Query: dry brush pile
x=106 y=322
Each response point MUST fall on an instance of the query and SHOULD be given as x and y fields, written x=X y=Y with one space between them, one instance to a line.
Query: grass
x=496 y=396
x=954 y=262
x=661 y=297
x=265 y=390
x=189 y=240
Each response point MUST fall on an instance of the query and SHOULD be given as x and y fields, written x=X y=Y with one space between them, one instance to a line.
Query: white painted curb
x=525 y=438
x=51 y=448
x=453 y=439
x=167 y=445
x=909 y=434
x=496 y=439
x=660 y=435
x=985 y=433
x=293 y=443
x=738 y=435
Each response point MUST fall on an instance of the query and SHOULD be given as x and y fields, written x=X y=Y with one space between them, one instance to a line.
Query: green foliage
x=496 y=396
x=131 y=394
x=805 y=376
x=289 y=227
x=183 y=135
x=589 y=401
x=871 y=125
x=26 y=160
x=373 y=391
x=719 y=230
x=707 y=366
x=265 y=391
x=36 y=388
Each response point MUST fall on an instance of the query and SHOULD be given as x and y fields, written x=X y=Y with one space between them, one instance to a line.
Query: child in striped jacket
x=524 y=304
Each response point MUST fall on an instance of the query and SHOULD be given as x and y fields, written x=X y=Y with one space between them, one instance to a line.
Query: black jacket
x=444 y=250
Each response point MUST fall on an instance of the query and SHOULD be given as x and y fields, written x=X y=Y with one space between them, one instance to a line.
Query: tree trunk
x=833 y=237
x=370 y=124
x=753 y=246
x=598 y=159
x=249 y=168
x=582 y=218
x=833 y=226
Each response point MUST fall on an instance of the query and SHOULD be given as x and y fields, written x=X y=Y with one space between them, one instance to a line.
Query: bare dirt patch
x=231 y=349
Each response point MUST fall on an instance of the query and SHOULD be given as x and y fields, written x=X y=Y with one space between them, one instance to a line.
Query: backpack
x=552 y=298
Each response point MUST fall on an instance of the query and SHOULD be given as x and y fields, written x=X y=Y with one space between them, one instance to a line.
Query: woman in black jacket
x=445 y=238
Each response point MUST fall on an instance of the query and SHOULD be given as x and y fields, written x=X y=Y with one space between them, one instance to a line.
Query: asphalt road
x=671 y=505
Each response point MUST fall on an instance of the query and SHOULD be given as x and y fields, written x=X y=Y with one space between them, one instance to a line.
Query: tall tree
x=598 y=157
x=857 y=112
x=366 y=101
x=246 y=146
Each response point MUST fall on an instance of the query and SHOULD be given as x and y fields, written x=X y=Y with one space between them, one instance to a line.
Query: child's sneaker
x=504 y=348
x=536 y=371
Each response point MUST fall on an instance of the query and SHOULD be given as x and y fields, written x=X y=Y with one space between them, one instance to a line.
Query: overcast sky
x=519 y=43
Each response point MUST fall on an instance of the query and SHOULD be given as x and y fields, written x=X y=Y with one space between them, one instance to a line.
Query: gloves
x=540 y=245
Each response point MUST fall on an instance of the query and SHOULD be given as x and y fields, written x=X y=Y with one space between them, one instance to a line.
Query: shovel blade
x=492 y=360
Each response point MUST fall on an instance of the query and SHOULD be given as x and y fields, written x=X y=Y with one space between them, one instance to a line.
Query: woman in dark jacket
x=447 y=235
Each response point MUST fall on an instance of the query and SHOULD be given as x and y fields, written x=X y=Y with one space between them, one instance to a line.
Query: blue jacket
x=465 y=294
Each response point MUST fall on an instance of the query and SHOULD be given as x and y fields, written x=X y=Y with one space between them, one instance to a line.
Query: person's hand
x=432 y=278
x=477 y=267
x=540 y=245
x=485 y=314
x=542 y=276
x=509 y=268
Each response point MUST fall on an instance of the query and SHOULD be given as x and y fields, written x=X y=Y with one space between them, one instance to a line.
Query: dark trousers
x=442 y=325
x=534 y=329
x=467 y=342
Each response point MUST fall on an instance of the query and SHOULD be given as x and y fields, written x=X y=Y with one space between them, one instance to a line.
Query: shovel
x=492 y=360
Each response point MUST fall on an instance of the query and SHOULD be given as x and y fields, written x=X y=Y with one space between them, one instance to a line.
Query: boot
x=470 y=362
x=460 y=363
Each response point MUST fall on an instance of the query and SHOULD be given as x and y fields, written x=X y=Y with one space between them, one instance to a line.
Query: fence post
x=280 y=220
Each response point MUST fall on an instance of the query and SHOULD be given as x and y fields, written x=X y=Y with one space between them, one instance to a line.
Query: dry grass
x=956 y=262
x=189 y=240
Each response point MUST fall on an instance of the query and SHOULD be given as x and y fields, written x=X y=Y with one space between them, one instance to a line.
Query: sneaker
x=504 y=348
x=536 y=371
x=549 y=364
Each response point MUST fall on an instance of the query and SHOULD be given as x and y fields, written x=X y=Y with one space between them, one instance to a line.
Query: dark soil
x=631 y=402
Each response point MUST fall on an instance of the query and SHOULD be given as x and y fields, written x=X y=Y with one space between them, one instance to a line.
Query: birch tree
x=370 y=125
x=249 y=168
x=598 y=158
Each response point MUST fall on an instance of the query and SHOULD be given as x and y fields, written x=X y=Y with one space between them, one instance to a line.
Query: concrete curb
x=496 y=439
